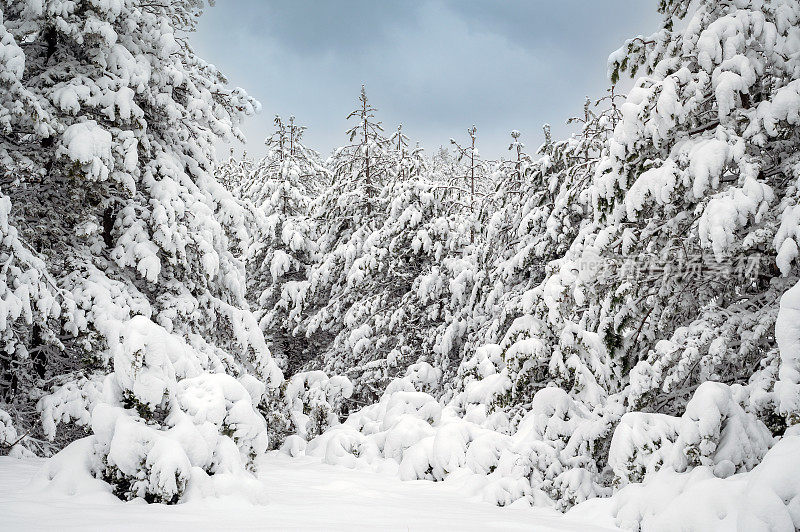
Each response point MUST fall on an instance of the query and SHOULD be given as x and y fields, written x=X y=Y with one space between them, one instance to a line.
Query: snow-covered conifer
x=468 y=188
x=171 y=424
x=697 y=191
x=109 y=122
x=359 y=170
x=234 y=171
x=282 y=246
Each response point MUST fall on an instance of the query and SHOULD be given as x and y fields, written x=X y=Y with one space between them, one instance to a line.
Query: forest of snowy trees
x=577 y=320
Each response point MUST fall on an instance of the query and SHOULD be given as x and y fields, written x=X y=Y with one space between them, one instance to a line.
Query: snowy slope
x=303 y=494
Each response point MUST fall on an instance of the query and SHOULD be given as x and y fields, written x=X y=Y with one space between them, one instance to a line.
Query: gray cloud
x=437 y=66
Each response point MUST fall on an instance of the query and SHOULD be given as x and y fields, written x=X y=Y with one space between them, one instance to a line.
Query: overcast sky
x=436 y=66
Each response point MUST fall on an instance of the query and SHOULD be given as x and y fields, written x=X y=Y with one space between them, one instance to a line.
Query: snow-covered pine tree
x=345 y=213
x=278 y=142
x=699 y=190
x=234 y=171
x=387 y=312
x=360 y=169
x=515 y=169
x=399 y=143
x=289 y=165
x=418 y=165
x=510 y=191
x=278 y=193
x=31 y=301
x=442 y=165
x=468 y=188
x=109 y=121
x=409 y=163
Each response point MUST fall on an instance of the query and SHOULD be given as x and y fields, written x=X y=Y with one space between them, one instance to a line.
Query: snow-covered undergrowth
x=538 y=464
x=701 y=460
x=711 y=497
x=308 y=403
x=166 y=428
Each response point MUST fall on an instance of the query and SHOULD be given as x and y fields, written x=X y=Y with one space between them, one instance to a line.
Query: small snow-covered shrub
x=8 y=434
x=560 y=436
x=304 y=406
x=485 y=382
x=11 y=441
x=166 y=428
x=716 y=429
x=401 y=419
x=423 y=376
x=314 y=401
x=642 y=444
x=766 y=498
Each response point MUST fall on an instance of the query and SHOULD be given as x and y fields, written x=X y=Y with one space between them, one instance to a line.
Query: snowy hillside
x=602 y=331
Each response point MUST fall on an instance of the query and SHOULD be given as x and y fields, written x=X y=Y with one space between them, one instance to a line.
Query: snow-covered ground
x=303 y=494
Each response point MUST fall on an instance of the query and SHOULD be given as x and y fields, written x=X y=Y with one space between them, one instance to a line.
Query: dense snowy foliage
x=113 y=226
x=613 y=315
